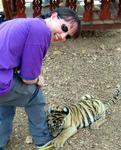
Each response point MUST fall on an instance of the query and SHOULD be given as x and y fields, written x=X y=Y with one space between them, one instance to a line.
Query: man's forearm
x=39 y=81
x=30 y=81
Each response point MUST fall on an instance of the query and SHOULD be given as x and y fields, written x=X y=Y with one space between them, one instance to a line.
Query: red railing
x=108 y=16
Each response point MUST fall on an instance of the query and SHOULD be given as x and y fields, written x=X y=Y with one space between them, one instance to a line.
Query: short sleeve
x=31 y=62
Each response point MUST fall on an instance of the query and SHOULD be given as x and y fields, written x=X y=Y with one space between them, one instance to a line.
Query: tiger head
x=56 y=118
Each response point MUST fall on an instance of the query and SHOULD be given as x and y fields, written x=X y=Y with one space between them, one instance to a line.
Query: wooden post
x=54 y=4
x=105 y=10
x=7 y=8
x=88 y=12
x=119 y=11
x=37 y=7
x=71 y=4
x=14 y=5
x=20 y=8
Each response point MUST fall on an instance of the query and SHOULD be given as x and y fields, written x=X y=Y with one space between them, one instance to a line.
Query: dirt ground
x=88 y=65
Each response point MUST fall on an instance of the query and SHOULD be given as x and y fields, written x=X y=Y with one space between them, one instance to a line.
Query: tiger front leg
x=59 y=141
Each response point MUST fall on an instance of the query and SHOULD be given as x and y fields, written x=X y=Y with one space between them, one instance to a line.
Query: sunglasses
x=64 y=28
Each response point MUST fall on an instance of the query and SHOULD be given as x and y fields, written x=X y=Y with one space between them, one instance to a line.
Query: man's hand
x=40 y=81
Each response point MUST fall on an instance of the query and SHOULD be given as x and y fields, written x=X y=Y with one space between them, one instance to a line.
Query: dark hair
x=68 y=15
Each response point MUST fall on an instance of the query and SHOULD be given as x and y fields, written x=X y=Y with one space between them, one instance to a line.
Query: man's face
x=61 y=29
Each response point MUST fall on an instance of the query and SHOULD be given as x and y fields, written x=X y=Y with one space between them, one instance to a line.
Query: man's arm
x=39 y=81
x=30 y=81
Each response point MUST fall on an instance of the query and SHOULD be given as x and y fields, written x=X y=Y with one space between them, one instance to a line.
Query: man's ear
x=54 y=15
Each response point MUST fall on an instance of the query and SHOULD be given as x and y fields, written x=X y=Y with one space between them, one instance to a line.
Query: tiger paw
x=94 y=126
x=58 y=142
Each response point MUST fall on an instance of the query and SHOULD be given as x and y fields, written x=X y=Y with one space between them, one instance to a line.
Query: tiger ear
x=49 y=109
x=65 y=110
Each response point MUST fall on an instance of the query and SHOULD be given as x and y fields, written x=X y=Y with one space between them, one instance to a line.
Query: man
x=23 y=45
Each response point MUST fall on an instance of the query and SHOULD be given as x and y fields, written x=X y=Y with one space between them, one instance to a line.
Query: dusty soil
x=88 y=65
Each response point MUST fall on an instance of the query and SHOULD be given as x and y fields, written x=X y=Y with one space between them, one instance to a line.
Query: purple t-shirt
x=23 y=43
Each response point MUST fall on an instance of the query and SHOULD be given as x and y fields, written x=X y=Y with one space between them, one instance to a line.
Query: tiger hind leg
x=98 y=123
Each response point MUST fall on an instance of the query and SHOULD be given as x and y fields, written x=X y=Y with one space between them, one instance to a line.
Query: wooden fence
x=103 y=16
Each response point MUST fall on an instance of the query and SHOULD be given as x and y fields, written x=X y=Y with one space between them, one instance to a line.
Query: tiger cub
x=64 y=120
